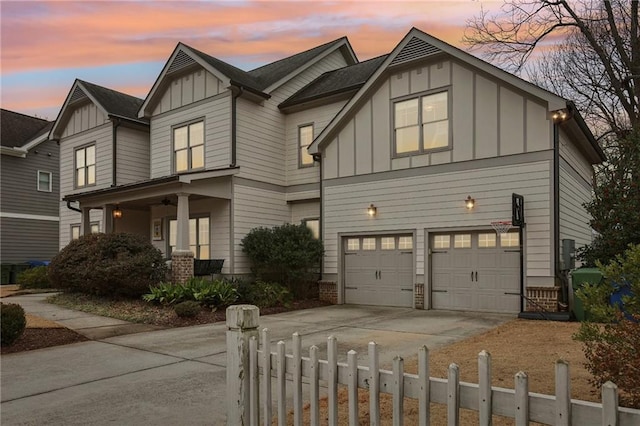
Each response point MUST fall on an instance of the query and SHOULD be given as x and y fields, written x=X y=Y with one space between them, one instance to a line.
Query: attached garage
x=475 y=271
x=379 y=270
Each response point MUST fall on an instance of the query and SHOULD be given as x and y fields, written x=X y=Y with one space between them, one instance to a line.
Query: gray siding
x=262 y=137
x=302 y=211
x=216 y=112
x=26 y=239
x=19 y=180
x=254 y=207
x=487 y=119
x=433 y=202
x=133 y=155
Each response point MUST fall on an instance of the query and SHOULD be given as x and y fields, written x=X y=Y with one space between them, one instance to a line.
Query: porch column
x=85 y=221
x=181 y=257
x=107 y=219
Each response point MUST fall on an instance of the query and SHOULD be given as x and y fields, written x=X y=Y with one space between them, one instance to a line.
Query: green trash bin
x=578 y=278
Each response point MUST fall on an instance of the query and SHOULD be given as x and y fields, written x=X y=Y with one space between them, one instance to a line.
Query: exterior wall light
x=469 y=202
x=372 y=210
x=560 y=115
x=117 y=213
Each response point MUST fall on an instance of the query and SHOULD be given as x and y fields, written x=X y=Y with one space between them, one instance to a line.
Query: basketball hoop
x=501 y=226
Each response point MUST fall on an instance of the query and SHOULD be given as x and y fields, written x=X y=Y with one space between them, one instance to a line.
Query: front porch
x=185 y=217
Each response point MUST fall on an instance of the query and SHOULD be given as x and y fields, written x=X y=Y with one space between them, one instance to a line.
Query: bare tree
x=585 y=50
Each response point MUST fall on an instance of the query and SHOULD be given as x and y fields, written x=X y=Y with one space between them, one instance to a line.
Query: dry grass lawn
x=519 y=345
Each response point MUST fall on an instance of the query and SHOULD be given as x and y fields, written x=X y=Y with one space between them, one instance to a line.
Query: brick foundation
x=181 y=266
x=328 y=291
x=419 y=296
x=544 y=297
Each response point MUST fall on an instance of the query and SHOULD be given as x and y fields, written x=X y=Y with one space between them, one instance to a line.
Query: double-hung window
x=44 y=181
x=85 y=166
x=188 y=147
x=421 y=124
x=314 y=227
x=198 y=237
x=305 y=138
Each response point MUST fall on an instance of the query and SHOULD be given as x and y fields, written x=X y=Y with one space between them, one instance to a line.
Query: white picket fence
x=250 y=372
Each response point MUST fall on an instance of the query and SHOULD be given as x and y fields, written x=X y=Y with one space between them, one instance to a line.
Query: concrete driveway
x=177 y=376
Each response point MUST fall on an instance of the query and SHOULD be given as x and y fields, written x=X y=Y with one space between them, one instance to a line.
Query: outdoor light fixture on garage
x=470 y=202
x=117 y=213
x=372 y=210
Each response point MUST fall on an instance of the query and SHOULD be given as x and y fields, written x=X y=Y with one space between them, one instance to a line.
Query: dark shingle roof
x=115 y=103
x=268 y=74
x=336 y=81
x=261 y=78
x=17 y=129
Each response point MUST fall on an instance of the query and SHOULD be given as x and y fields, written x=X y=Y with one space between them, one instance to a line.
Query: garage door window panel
x=462 y=241
x=442 y=241
x=405 y=243
x=487 y=240
x=368 y=244
x=388 y=243
x=353 y=244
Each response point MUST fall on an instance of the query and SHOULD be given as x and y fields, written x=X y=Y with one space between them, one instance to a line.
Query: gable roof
x=418 y=45
x=342 y=80
x=17 y=130
x=111 y=102
x=259 y=81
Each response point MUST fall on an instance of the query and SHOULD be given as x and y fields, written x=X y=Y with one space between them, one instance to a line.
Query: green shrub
x=267 y=295
x=611 y=345
x=287 y=254
x=108 y=265
x=187 y=309
x=216 y=294
x=37 y=277
x=13 y=323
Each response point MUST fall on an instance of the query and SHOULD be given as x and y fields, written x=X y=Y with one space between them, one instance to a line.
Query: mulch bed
x=38 y=338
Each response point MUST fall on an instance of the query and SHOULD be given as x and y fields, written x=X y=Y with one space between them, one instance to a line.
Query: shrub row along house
x=380 y=158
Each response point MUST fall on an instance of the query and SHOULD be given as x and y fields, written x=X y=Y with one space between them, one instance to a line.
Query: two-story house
x=400 y=164
x=30 y=191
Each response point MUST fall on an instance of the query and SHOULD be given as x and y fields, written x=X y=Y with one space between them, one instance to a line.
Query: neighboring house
x=30 y=191
x=319 y=138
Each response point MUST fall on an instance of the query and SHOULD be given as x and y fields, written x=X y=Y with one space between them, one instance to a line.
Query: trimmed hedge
x=13 y=322
x=108 y=265
x=37 y=277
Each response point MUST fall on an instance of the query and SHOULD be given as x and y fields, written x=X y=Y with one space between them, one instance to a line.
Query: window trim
x=95 y=165
x=300 y=147
x=421 y=150
x=197 y=217
x=173 y=145
x=38 y=181
x=75 y=225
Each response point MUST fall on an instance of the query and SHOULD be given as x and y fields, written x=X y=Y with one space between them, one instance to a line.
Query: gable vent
x=415 y=49
x=181 y=60
x=77 y=95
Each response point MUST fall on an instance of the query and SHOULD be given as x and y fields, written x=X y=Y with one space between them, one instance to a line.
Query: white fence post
x=254 y=392
x=522 y=399
x=484 y=388
x=424 y=400
x=352 y=366
x=609 y=404
x=266 y=378
x=398 y=391
x=332 y=367
x=374 y=385
x=297 y=379
x=281 y=366
x=315 y=386
x=563 y=394
x=453 y=396
x=242 y=325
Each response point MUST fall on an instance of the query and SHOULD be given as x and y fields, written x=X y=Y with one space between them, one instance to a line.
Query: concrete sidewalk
x=177 y=376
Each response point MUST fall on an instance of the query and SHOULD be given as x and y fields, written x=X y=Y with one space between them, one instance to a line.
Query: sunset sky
x=124 y=44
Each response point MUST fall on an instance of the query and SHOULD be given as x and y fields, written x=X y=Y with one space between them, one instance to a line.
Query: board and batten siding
x=19 y=182
x=84 y=117
x=261 y=130
x=434 y=202
x=132 y=155
x=254 y=207
x=488 y=119
x=575 y=159
x=188 y=88
x=318 y=116
x=216 y=113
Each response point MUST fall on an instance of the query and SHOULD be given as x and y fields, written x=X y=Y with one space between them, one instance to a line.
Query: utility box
x=579 y=277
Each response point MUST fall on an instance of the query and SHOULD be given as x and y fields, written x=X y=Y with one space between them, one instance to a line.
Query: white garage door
x=475 y=271
x=379 y=270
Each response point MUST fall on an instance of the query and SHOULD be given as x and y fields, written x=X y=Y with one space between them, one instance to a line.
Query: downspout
x=234 y=114
x=114 y=150
x=556 y=211
x=318 y=158
x=70 y=207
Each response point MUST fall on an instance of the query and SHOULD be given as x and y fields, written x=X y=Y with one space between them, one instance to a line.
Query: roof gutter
x=13 y=152
x=70 y=207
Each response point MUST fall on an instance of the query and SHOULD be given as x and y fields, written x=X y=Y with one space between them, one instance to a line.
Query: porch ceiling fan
x=167 y=202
